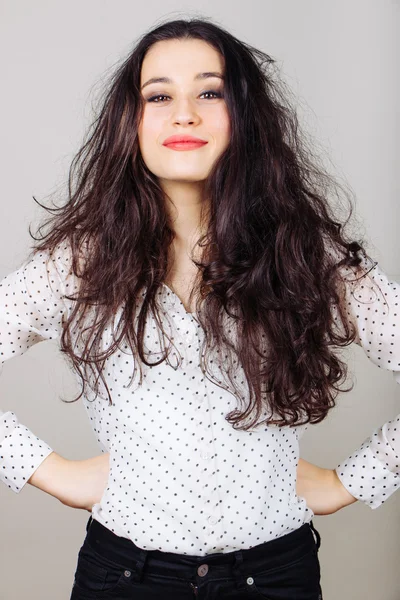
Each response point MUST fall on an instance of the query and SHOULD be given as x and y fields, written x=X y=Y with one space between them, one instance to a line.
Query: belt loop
x=236 y=570
x=318 y=542
x=138 y=572
x=88 y=523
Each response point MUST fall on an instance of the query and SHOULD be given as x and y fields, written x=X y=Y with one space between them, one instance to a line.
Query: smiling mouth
x=189 y=145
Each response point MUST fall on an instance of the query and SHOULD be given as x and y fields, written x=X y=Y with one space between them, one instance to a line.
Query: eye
x=154 y=98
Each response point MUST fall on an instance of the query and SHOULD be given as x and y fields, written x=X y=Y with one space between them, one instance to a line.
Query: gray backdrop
x=341 y=60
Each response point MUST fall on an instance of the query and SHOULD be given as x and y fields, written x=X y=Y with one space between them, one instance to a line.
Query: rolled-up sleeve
x=32 y=310
x=371 y=299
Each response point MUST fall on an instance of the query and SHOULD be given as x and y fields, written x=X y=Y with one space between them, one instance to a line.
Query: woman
x=226 y=246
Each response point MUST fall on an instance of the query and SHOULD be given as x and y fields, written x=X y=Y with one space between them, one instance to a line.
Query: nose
x=184 y=120
x=185 y=113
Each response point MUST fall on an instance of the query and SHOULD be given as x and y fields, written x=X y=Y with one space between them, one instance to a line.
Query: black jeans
x=285 y=568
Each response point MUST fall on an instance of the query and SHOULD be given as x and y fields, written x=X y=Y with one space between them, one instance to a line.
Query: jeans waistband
x=267 y=555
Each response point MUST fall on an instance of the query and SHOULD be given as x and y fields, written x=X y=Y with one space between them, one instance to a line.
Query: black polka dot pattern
x=372 y=473
x=181 y=478
x=31 y=311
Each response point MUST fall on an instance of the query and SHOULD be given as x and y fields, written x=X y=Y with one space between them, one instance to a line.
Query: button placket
x=191 y=341
x=212 y=520
x=206 y=453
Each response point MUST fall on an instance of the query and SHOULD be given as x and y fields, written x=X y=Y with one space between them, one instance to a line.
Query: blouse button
x=202 y=570
x=250 y=580
x=127 y=573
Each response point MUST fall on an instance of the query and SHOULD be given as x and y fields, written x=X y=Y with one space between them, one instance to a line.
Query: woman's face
x=185 y=105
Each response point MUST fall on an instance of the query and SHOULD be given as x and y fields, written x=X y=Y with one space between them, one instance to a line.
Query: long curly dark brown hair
x=271 y=254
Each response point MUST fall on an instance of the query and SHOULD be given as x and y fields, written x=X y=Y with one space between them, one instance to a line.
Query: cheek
x=149 y=130
x=222 y=126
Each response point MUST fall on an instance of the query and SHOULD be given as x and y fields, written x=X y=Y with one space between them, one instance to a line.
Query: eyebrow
x=205 y=75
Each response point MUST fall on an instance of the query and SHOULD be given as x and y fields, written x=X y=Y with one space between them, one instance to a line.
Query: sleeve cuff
x=366 y=478
x=21 y=453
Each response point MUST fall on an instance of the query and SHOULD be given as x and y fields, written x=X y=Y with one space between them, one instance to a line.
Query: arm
x=372 y=472
x=32 y=310
x=322 y=488
x=75 y=483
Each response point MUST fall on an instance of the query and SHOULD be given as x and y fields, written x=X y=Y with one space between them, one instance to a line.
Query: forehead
x=180 y=58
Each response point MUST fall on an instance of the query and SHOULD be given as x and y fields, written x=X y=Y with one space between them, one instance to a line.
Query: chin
x=184 y=177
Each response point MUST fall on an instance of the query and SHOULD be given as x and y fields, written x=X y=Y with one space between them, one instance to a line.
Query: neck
x=184 y=203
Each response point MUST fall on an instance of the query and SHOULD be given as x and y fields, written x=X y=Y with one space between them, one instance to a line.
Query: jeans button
x=202 y=570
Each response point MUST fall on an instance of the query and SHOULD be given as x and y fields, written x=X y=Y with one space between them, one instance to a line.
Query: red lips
x=178 y=139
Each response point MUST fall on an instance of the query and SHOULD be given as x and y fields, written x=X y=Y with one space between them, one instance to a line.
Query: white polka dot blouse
x=181 y=478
